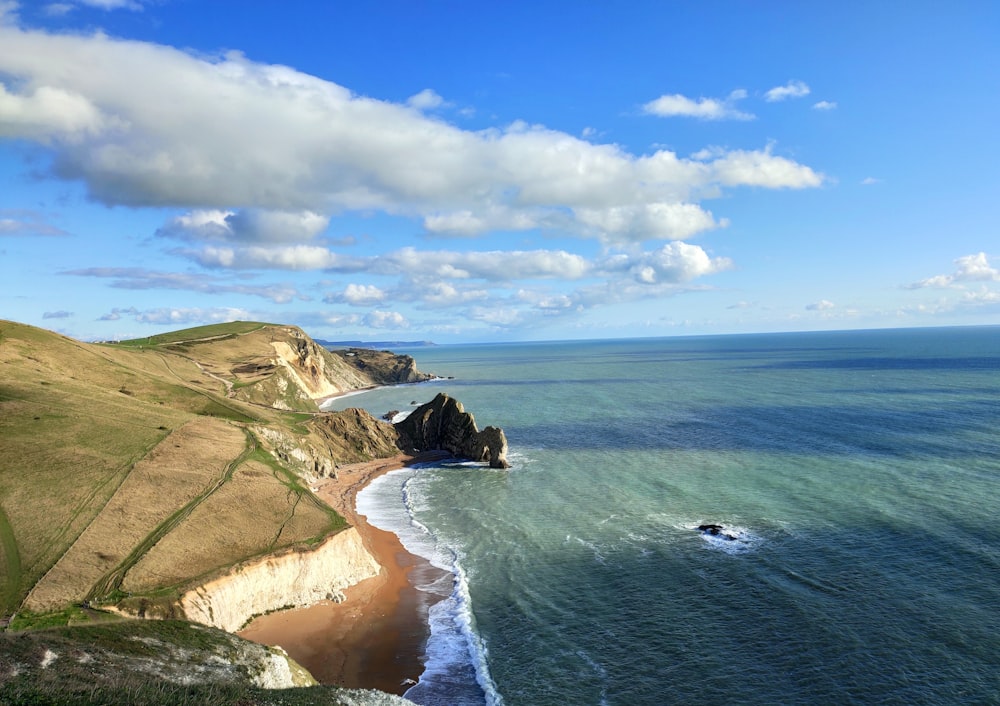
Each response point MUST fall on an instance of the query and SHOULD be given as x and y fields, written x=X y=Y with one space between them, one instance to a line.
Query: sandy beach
x=375 y=638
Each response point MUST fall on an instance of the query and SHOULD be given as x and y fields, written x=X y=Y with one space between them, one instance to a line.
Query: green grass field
x=234 y=328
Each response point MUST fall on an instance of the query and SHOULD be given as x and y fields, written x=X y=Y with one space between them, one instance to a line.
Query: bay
x=858 y=472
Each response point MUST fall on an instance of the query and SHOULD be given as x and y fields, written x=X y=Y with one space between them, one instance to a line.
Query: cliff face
x=295 y=579
x=333 y=438
x=282 y=367
x=383 y=367
x=444 y=424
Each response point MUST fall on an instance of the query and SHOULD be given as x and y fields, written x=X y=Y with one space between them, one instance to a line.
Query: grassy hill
x=153 y=663
x=131 y=470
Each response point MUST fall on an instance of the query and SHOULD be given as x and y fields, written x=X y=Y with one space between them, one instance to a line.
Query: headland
x=192 y=476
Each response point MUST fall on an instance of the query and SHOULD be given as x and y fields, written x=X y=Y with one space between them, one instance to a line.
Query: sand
x=374 y=639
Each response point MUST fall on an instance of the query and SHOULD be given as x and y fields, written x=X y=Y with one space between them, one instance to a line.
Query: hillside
x=159 y=663
x=131 y=471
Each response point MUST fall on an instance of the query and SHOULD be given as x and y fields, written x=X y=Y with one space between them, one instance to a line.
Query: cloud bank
x=151 y=126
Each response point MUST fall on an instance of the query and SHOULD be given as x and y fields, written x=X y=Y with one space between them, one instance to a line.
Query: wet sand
x=375 y=638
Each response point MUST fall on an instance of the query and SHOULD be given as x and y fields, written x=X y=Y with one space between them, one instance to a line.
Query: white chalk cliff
x=298 y=579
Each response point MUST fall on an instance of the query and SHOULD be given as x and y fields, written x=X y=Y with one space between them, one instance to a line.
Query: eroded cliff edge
x=292 y=580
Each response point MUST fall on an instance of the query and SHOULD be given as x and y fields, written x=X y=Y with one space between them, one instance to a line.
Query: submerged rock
x=443 y=424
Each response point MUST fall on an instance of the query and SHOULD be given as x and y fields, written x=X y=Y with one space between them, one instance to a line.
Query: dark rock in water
x=444 y=424
x=388 y=416
x=717 y=531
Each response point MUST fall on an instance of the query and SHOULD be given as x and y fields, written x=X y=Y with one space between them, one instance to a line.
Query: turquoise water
x=858 y=471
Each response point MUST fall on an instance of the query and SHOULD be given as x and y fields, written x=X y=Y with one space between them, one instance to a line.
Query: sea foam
x=456 y=670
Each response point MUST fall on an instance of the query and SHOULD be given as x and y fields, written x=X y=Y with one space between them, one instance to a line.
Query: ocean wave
x=456 y=671
x=599 y=556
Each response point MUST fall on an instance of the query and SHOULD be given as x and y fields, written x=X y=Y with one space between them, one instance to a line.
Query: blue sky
x=521 y=171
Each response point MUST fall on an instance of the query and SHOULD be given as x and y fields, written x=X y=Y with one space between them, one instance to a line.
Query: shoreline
x=374 y=639
x=320 y=401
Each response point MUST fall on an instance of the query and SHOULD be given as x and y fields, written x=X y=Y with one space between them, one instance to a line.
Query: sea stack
x=443 y=424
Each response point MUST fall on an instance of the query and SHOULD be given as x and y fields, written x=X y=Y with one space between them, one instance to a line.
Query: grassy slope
x=141 y=663
x=85 y=430
x=198 y=333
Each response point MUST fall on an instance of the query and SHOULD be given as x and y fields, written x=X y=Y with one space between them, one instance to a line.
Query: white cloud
x=147 y=125
x=340 y=320
x=8 y=12
x=825 y=105
x=677 y=105
x=385 y=320
x=200 y=225
x=792 y=89
x=248 y=225
x=20 y=221
x=673 y=221
x=674 y=263
x=254 y=225
x=494 y=266
x=868 y=181
x=116 y=314
x=181 y=316
x=761 y=168
x=291 y=257
x=58 y=9
x=113 y=4
x=138 y=278
x=47 y=114
x=976 y=268
x=970 y=268
x=981 y=297
x=358 y=295
x=821 y=305
x=546 y=302
x=441 y=294
x=425 y=100
x=499 y=317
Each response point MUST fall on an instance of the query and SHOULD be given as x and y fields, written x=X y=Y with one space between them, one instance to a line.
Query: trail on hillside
x=11 y=589
x=112 y=581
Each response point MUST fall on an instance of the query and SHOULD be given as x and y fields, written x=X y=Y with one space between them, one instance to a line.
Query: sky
x=475 y=172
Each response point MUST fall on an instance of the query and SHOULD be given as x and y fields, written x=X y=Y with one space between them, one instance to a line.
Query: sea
x=854 y=477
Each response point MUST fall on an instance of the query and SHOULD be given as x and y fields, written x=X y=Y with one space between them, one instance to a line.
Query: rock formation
x=443 y=424
x=717 y=531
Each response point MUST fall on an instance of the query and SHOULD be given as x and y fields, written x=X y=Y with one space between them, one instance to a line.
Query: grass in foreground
x=139 y=663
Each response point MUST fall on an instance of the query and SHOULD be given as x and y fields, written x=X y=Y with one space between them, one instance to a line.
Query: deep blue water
x=858 y=471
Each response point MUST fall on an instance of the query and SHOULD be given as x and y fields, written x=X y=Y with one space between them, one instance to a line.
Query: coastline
x=375 y=638
x=320 y=401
